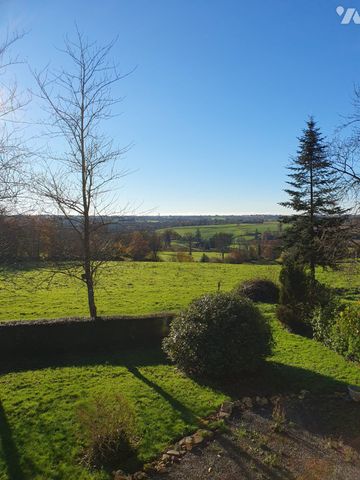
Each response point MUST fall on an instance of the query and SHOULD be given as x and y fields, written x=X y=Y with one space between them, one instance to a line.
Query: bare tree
x=11 y=152
x=345 y=147
x=79 y=183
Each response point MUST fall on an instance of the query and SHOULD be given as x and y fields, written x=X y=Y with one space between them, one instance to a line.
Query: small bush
x=109 y=433
x=259 y=290
x=345 y=333
x=204 y=258
x=217 y=336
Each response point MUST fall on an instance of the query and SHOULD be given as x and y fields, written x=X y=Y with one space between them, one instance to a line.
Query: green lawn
x=135 y=288
x=304 y=363
x=39 y=432
x=38 y=427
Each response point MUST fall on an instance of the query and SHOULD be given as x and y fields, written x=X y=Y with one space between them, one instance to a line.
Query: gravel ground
x=300 y=439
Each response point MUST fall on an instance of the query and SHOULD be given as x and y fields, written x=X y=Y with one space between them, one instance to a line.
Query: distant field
x=136 y=288
x=243 y=230
x=171 y=256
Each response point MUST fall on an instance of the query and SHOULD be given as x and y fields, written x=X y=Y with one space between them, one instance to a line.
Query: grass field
x=39 y=433
x=171 y=256
x=243 y=230
x=136 y=288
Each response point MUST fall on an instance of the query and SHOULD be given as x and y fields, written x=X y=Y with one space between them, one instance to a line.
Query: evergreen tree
x=316 y=234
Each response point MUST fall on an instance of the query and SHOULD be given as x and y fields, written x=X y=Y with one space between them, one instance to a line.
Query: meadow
x=238 y=230
x=138 y=288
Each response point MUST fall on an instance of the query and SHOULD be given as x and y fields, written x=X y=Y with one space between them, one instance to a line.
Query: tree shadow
x=186 y=414
x=274 y=378
x=270 y=379
x=10 y=451
x=332 y=417
x=241 y=457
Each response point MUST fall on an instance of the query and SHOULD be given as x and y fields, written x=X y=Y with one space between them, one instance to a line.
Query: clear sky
x=221 y=91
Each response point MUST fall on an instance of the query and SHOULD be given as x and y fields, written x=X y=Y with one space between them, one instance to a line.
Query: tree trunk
x=87 y=269
x=91 y=298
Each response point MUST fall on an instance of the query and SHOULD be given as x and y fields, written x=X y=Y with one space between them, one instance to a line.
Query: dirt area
x=298 y=437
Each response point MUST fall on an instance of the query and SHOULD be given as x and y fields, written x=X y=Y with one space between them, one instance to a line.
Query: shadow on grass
x=275 y=378
x=183 y=411
x=270 y=379
x=10 y=452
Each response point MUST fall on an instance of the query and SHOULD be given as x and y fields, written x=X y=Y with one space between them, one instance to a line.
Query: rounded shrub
x=259 y=290
x=219 y=335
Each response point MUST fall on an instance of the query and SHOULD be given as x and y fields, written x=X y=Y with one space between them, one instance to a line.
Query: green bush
x=324 y=314
x=108 y=431
x=294 y=284
x=204 y=258
x=345 y=333
x=294 y=311
x=217 y=336
x=307 y=307
x=259 y=290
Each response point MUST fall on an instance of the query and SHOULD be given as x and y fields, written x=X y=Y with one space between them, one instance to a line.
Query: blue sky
x=221 y=90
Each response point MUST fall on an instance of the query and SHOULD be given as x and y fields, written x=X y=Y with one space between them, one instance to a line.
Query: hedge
x=73 y=335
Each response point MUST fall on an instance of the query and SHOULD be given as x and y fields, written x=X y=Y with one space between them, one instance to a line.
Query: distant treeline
x=36 y=238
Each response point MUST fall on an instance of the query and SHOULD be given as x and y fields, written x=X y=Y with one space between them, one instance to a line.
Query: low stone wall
x=74 y=335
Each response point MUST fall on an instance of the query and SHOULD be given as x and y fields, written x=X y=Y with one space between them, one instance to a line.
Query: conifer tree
x=316 y=234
